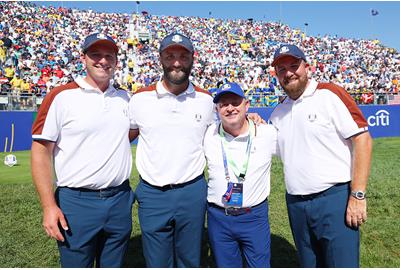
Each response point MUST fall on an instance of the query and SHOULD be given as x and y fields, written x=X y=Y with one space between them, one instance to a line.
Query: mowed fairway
x=23 y=243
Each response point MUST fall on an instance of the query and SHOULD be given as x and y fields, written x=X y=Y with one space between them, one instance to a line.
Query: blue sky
x=343 y=18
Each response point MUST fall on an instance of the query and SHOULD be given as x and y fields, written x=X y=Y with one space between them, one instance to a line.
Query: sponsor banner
x=15 y=126
x=15 y=131
x=383 y=120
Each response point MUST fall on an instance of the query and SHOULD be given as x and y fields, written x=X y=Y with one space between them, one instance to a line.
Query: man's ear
x=307 y=68
x=247 y=105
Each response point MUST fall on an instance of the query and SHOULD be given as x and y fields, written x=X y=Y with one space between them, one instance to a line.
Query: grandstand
x=39 y=49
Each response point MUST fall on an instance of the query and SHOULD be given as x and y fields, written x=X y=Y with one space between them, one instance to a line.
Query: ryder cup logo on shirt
x=198 y=117
x=312 y=117
x=177 y=39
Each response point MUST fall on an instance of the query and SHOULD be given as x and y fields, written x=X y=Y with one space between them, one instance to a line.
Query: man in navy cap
x=172 y=117
x=82 y=131
x=325 y=147
x=238 y=156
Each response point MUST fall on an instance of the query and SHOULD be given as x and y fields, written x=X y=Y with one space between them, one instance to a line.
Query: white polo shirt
x=171 y=133
x=256 y=186
x=90 y=129
x=313 y=137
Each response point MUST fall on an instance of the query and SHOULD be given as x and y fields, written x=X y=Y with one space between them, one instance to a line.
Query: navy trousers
x=319 y=229
x=232 y=236
x=172 y=223
x=100 y=224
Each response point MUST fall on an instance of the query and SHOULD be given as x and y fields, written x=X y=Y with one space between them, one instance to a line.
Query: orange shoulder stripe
x=347 y=100
x=37 y=126
x=152 y=87
x=198 y=89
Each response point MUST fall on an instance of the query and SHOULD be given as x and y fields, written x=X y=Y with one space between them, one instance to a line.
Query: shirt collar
x=87 y=87
x=162 y=91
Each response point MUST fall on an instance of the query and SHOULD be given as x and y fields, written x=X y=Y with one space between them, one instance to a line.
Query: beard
x=294 y=89
x=177 y=76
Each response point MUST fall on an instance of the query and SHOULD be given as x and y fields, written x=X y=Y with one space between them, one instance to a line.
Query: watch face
x=360 y=195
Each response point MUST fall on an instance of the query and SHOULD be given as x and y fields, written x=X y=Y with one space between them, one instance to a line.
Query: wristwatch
x=358 y=194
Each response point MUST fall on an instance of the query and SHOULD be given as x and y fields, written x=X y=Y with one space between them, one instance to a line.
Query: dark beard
x=177 y=80
x=295 y=91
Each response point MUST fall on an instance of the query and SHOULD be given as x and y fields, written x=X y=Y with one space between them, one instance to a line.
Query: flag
x=374 y=12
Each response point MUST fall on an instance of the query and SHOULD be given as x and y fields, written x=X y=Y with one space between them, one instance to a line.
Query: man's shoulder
x=212 y=129
x=123 y=94
x=61 y=89
x=146 y=89
x=278 y=109
x=265 y=130
x=201 y=90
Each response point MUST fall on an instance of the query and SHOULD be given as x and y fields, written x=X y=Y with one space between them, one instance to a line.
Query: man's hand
x=256 y=118
x=52 y=217
x=356 y=213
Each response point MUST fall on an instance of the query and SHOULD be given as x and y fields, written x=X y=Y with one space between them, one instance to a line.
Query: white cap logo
x=177 y=39
x=101 y=36
x=284 y=49
x=226 y=86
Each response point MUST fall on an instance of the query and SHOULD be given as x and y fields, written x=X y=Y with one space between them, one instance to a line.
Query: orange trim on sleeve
x=37 y=126
x=198 y=89
x=348 y=102
x=152 y=87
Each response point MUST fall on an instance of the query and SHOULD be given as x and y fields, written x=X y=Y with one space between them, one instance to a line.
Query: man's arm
x=42 y=175
x=362 y=148
x=133 y=133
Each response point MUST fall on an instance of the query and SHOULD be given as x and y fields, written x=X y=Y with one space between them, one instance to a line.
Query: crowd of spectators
x=40 y=49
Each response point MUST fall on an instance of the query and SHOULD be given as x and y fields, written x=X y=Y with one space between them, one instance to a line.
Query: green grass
x=23 y=243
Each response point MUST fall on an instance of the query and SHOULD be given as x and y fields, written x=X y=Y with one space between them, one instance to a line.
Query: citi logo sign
x=381 y=118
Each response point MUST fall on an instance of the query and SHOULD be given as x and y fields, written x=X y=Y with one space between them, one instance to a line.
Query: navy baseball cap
x=226 y=88
x=177 y=40
x=98 y=38
x=288 y=50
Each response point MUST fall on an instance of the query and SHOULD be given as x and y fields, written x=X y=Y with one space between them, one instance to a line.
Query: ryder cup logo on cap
x=284 y=49
x=233 y=88
x=98 y=38
x=288 y=50
x=176 y=39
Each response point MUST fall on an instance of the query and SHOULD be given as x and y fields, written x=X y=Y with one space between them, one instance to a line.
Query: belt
x=334 y=189
x=104 y=192
x=172 y=186
x=236 y=211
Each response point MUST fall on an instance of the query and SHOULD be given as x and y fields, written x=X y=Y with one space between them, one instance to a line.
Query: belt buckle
x=232 y=211
x=227 y=211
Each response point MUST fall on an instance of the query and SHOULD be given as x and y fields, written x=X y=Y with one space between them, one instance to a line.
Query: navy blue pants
x=172 y=223
x=319 y=229
x=99 y=223
x=249 y=233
